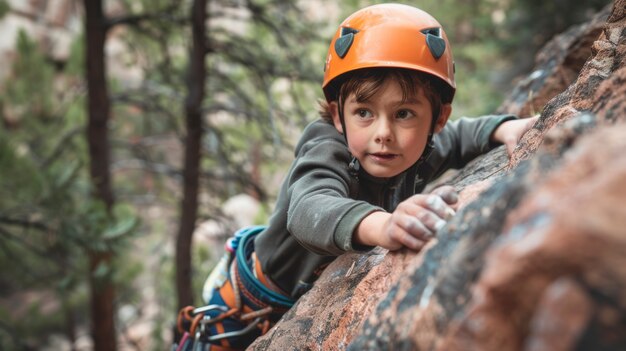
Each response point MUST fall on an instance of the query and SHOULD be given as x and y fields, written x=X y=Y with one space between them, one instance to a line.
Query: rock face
x=534 y=259
x=556 y=67
x=555 y=278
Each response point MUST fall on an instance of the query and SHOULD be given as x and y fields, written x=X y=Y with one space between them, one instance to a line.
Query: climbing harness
x=241 y=302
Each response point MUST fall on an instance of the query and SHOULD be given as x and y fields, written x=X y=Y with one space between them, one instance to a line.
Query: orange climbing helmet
x=389 y=35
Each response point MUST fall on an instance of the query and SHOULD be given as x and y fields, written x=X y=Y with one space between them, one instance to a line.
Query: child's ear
x=444 y=114
x=334 y=112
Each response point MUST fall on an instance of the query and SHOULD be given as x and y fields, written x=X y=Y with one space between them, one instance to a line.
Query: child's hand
x=417 y=219
x=510 y=132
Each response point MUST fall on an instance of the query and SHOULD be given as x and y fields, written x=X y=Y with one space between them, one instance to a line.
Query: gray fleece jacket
x=324 y=198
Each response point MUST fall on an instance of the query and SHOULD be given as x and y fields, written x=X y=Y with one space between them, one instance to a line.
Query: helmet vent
x=346 y=31
x=436 y=44
x=343 y=43
x=433 y=31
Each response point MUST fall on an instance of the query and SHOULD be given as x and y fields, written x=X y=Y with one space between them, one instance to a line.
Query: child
x=389 y=84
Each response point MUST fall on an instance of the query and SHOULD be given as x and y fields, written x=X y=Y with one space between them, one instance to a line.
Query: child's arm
x=414 y=222
x=462 y=140
x=510 y=132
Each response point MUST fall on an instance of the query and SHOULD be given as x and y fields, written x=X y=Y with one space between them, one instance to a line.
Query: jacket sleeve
x=463 y=140
x=321 y=215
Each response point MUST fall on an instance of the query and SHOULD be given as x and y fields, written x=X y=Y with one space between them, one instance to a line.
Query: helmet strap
x=341 y=119
x=430 y=145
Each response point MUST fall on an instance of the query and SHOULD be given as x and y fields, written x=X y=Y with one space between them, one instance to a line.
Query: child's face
x=385 y=134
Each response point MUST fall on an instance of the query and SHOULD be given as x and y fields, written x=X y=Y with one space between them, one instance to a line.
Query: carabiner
x=208 y=308
x=243 y=331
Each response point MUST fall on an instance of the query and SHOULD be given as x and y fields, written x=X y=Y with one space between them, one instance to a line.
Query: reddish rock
x=556 y=67
x=562 y=314
x=599 y=84
x=561 y=230
x=347 y=291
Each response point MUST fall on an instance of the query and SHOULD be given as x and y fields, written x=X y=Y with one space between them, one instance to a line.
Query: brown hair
x=365 y=83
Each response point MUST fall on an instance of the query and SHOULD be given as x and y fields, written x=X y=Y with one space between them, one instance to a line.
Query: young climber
x=357 y=176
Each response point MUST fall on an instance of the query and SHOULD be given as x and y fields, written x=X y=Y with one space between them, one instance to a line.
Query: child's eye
x=404 y=114
x=363 y=113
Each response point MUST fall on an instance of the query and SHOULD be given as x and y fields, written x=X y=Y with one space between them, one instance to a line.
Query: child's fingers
x=515 y=130
x=510 y=147
x=447 y=194
x=417 y=220
x=414 y=227
x=430 y=220
x=407 y=240
x=437 y=205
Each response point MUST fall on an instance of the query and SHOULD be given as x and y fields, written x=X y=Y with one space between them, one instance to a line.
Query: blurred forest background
x=135 y=135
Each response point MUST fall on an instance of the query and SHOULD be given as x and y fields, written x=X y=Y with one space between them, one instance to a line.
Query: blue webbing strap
x=245 y=247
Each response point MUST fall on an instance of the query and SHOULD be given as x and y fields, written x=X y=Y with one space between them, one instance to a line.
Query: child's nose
x=383 y=131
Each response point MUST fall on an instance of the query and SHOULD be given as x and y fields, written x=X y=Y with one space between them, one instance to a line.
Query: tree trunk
x=102 y=292
x=196 y=77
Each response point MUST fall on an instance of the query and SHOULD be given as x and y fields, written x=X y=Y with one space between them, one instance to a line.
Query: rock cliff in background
x=556 y=67
x=533 y=261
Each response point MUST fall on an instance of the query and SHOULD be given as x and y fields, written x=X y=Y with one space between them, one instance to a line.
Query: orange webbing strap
x=256 y=314
x=263 y=278
x=265 y=326
x=184 y=315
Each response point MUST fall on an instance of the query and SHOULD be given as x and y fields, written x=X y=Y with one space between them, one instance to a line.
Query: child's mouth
x=383 y=156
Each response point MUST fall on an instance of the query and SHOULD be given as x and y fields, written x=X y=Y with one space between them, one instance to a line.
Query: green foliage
x=29 y=94
x=48 y=217
x=263 y=82
x=20 y=179
x=4 y=8
x=74 y=67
